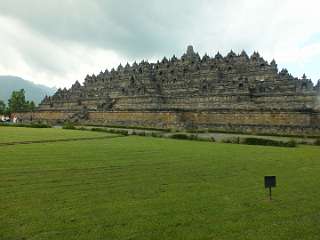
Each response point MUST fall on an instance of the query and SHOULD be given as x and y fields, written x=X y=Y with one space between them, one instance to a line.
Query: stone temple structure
x=234 y=93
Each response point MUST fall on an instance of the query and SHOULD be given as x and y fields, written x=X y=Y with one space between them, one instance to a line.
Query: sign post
x=270 y=182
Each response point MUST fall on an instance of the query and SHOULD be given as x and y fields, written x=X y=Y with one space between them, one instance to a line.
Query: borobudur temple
x=234 y=93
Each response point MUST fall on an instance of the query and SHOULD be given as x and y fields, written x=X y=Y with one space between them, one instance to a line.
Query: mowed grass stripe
x=12 y=134
x=56 y=140
x=147 y=188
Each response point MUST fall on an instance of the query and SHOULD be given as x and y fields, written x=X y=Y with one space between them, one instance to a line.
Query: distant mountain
x=34 y=92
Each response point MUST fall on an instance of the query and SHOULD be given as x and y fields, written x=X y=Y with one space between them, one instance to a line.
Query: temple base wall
x=253 y=122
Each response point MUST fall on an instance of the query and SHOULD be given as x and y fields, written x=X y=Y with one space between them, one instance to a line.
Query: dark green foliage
x=234 y=140
x=2 y=107
x=291 y=143
x=141 y=133
x=30 y=125
x=107 y=130
x=317 y=142
x=31 y=106
x=37 y=125
x=133 y=127
x=155 y=134
x=180 y=136
x=268 y=142
x=197 y=130
x=18 y=102
x=193 y=137
x=99 y=130
x=69 y=126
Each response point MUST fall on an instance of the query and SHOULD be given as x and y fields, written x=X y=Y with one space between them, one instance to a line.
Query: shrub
x=39 y=125
x=317 y=142
x=155 y=134
x=141 y=133
x=291 y=143
x=68 y=125
x=96 y=129
x=173 y=130
x=31 y=125
x=197 y=130
x=193 y=137
x=124 y=133
x=231 y=140
x=269 y=142
x=115 y=131
x=180 y=136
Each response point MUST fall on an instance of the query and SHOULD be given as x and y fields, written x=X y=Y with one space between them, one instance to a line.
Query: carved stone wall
x=235 y=91
x=290 y=123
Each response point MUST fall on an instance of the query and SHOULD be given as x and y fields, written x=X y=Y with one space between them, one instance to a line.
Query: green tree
x=2 y=107
x=18 y=103
x=31 y=106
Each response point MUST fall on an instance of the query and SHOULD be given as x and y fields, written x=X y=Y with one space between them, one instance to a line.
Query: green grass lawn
x=153 y=188
x=13 y=134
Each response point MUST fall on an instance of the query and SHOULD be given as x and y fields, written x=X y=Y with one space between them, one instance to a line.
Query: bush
x=317 y=142
x=39 y=125
x=291 y=143
x=174 y=130
x=115 y=131
x=235 y=140
x=180 y=136
x=31 y=125
x=141 y=134
x=197 y=130
x=68 y=125
x=193 y=137
x=153 y=134
x=132 y=127
x=269 y=142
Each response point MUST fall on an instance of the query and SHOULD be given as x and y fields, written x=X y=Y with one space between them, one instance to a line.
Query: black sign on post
x=270 y=182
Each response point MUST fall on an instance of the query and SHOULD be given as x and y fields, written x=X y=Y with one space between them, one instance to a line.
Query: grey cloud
x=151 y=29
x=132 y=28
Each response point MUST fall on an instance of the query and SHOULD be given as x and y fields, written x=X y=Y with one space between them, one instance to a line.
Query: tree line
x=17 y=103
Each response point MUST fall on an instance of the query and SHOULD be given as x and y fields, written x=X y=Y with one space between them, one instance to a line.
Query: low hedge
x=31 y=125
x=194 y=137
x=69 y=126
x=180 y=136
x=317 y=142
x=268 y=142
x=115 y=131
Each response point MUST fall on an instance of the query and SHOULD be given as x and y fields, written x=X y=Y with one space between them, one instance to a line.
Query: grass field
x=152 y=188
x=12 y=134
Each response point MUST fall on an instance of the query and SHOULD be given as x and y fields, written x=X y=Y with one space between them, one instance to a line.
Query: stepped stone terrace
x=226 y=93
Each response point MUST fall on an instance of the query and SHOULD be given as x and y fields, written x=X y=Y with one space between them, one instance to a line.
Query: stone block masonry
x=231 y=93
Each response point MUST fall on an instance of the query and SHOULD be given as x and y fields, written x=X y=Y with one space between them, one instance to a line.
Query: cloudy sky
x=56 y=42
